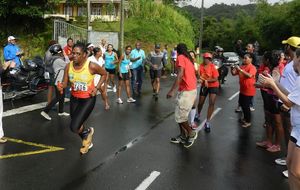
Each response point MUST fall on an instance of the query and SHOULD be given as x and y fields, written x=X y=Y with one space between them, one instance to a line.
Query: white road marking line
x=147 y=182
x=203 y=122
x=233 y=96
x=32 y=107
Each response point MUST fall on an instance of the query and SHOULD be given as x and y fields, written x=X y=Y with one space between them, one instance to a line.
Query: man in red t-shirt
x=68 y=49
x=246 y=74
x=209 y=85
x=187 y=93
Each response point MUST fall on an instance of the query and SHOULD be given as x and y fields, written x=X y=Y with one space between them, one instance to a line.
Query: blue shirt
x=124 y=66
x=10 y=53
x=135 y=54
x=109 y=59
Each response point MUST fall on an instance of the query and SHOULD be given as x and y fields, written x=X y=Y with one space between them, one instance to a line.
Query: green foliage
x=266 y=23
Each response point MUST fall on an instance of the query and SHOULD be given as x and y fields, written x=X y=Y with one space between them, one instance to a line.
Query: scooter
x=222 y=69
x=24 y=81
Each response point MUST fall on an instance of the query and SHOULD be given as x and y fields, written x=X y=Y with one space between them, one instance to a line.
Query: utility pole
x=88 y=18
x=121 y=44
x=201 y=27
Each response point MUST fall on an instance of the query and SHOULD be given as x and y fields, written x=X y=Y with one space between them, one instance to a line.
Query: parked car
x=232 y=58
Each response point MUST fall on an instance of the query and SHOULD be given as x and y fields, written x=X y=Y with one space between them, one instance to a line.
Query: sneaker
x=264 y=144
x=119 y=101
x=238 y=109
x=87 y=142
x=131 y=100
x=3 y=140
x=197 y=118
x=178 y=140
x=252 y=109
x=281 y=161
x=45 y=115
x=64 y=114
x=175 y=75
x=108 y=86
x=115 y=89
x=274 y=148
x=246 y=125
x=189 y=142
x=172 y=75
x=285 y=173
x=207 y=127
x=194 y=135
x=156 y=96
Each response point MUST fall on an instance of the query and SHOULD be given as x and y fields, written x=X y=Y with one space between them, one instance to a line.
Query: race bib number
x=80 y=86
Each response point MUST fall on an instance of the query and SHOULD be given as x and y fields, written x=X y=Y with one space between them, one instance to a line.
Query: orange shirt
x=189 y=80
x=247 y=87
x=209 y=72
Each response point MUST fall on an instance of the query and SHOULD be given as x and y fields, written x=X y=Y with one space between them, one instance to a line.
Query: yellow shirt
x=82 y=81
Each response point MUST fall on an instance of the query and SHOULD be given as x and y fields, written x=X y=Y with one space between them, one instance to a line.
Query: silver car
x=232 y=58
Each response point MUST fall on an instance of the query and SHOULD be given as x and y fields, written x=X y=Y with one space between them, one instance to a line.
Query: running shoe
x=238 y=109
x=175 y=75
x=115 y=89
x=281 y=161
x=207 y=127
x=131 y=100
x=252 y=108
x=197 y=118
x=264 y=144
x=87 y=142
x=286 y=173
x=119 y=101
x=274 y=148
x=172 y=75
x=246 y=124
x=178 y=140
x=156 y=96
x=3 y=140
x=46 y=116
x=64 y=114
x=108 y=86
x=189 y=142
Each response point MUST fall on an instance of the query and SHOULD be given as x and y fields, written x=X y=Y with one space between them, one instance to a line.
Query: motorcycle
x=24 y=81
x=222 y=69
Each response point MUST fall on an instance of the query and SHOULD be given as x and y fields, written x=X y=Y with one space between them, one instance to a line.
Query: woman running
x=80 y=73
x=124 y=76
x=111 y=59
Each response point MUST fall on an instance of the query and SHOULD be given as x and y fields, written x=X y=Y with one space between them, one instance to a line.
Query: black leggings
x=80 y=109
x=58 y=98
x=245 y=102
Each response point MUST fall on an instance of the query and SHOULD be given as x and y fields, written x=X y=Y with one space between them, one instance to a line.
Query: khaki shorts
x=184 y=104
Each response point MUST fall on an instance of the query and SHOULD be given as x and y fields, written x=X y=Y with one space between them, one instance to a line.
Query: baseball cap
x=292 y=41
x=157 y=46
x=10 y=38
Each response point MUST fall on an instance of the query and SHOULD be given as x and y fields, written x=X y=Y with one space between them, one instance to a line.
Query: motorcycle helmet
x=55 y=49
x=207 y=55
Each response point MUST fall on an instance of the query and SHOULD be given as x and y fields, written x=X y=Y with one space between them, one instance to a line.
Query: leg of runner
x=133 y=81
x=139 y=79
x=293 y=164
x=58 y=98
x=210 y=110
x=104 y=96
x=129 y=97
x=80 y=111
x=121 y=82
x=276 y=147
x=2 y=139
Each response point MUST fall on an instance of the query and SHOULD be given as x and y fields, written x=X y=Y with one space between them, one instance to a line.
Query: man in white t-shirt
x=292 y=100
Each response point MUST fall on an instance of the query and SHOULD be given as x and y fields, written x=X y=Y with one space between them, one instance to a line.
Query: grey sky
x=208 y=3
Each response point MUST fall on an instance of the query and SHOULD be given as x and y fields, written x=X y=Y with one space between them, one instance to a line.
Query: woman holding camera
x=246 y=75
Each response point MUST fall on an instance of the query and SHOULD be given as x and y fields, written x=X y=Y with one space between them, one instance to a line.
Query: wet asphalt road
x=131 y=141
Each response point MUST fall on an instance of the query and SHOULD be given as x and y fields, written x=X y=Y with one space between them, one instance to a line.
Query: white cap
x=91 y=45
x=10 y=38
